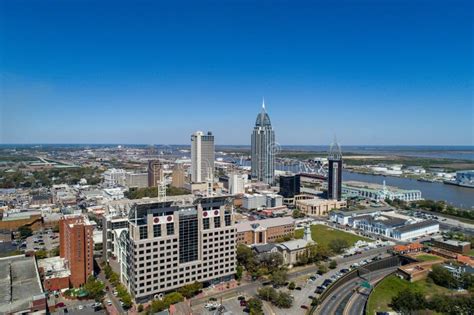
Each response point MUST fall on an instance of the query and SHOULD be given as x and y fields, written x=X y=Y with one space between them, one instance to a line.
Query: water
x=457 y=196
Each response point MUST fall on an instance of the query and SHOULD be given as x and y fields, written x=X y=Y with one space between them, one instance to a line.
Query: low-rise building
x=379 y=192
x=55 y=273
x=264 y=231
x=291 y=250
x=319 y=207
x=342 y=217
x=452 y=245
x=20 y=286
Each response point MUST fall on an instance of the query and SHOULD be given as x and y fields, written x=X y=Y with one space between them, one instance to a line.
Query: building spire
x=263 y=103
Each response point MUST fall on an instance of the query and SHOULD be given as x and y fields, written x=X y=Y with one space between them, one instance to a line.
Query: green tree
x=173 y=298
x=140 y=308
x=322 y=269
x=267 y=293
x=338 y=245
x=291 y=286
x=25 y=231
x=333 y=264
x=255 y=306
x=297 y=213
x=41 y=254
x=408 y=301
x=239 y=270
x=94 y=288
x=54 y=251
x=283 y=300
x=442 y=277
x=279 y=277
x=190 y=290
x=272 y=261
x=246 y=257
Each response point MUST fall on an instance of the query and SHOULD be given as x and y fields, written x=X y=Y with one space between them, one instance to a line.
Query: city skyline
x=155 y=72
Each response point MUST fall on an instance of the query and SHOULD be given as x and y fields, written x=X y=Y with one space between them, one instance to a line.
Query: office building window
x=169 y=228
x=157 y=230
x=227 y=220
x=188 y=238
x=205 y=223
x=217 y=222
x=143 y=232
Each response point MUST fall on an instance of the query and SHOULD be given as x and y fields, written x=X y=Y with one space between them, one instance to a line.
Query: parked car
x=60 y=304
x=298 y=288
x=243 y=303
x=304 y=307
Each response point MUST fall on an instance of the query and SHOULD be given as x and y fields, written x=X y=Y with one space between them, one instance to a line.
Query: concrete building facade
x=169 y=245
x=264 y=231
x=202 y=157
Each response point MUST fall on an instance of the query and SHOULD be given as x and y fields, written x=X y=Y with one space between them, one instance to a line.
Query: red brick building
x=76 y=246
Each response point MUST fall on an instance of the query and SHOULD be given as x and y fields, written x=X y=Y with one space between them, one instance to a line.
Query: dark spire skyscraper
x=335 y=171
x=263 y=148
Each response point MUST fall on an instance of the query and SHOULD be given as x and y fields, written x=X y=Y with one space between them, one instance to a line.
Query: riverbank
x=461 y=197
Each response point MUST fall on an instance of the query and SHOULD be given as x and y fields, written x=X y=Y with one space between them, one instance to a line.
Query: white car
x=109 y=302
x=80 y=307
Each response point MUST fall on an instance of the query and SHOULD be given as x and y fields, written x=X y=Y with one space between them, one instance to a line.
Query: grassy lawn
x=427 y=257
x=383 y=293
x=323 y=234
x=471 y=252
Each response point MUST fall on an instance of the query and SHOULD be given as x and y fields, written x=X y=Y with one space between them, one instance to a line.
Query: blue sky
x=372 y=72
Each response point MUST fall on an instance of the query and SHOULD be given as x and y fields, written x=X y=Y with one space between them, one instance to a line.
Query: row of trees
x=122 y=292
x=317 y=252
x=433 y=206
x=411 y=301
x=46 y=178
x=265 y=264
x=164 y=304
x=138 y=193
x=278 y=298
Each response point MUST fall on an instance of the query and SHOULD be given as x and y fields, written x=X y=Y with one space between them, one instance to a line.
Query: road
x=110 y=296
x=338 y=301
x=250 y=289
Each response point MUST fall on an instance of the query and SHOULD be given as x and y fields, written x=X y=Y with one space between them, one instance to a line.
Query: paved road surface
x=336 y=302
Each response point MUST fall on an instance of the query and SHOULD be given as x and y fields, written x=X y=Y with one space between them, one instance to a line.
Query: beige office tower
x=202 y=157
x=178 y=176
x=155 y=173
x=169 y=245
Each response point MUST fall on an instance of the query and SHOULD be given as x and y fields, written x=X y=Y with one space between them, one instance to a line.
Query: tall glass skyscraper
x=263 y=148
x=334 y=171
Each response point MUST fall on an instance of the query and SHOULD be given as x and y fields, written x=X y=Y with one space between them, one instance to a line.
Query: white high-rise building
x=237 y=183
x=202 y=157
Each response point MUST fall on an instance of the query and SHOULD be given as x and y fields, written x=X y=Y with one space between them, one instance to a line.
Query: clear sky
x=372 y=72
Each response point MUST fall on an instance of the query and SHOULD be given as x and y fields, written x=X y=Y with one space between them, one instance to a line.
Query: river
x=457 y=196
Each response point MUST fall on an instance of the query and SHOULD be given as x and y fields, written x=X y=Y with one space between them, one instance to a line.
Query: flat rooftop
x=265 y=223
x=19 y=283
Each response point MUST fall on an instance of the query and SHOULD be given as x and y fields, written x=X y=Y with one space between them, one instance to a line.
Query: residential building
x=319 y=207
x=114 y=177
x=77 y=247
x=155 y=173
x=178 y=176
x=138 y=180
x=261 y=201
x=202 y=157
x=169 y=245
x=237 y=183
x=289 y=185
x=334 y=172
x=264 y=231
x=263 y=149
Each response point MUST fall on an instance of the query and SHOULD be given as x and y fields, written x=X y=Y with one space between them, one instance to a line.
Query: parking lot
x=42 y=240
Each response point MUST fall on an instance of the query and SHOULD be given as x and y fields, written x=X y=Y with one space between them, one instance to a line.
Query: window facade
x=143 y=232
x=188 y=238
x=169 y=228
x=157 y=230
